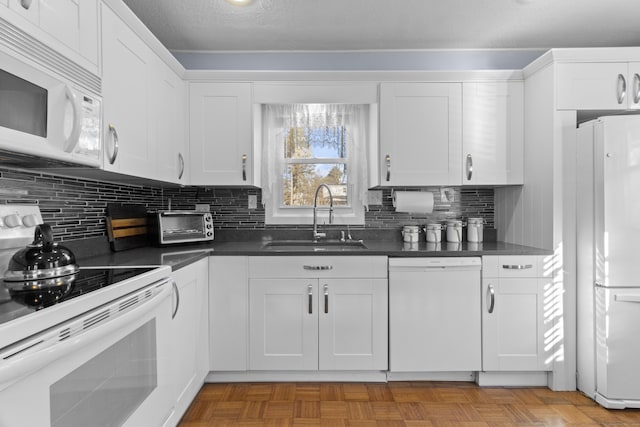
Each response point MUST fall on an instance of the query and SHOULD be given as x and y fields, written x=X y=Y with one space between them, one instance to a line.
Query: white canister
x=475 y=228
x=454 y=231
x=433 y=232
x=410 y=233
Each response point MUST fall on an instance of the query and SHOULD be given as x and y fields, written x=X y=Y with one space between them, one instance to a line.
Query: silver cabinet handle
x=244 y=167
x=517 y=266
x=636 y=88
x=25 y=4
x=114 y=136
x=622 y=88
x=491 y=298
x=469 y=167
x=181 y=161
x=317 y=267
x=627 y=298
x=326 y=299
x=310 y=290
x=388 y=162
x=177 y=292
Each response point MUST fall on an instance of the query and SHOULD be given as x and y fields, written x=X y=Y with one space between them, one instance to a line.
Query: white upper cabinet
x=168 y=124
x=220 y=129
x=420 y=133
x=145 y=105
x=492 y=133
x=68 y=26
x=598 y=86
x=127 y=71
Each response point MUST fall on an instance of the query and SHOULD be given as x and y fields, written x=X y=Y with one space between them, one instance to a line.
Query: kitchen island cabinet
x=420 y=134
x=515 y=323
x=318 y=313
x=221 y=137
x=190 y=335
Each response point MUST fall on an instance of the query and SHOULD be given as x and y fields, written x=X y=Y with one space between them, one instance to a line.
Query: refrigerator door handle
x=627 y=298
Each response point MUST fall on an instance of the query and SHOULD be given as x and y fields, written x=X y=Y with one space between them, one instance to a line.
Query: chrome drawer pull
x=517 y=266
x=310 y=288
x=318 y=267
x=491 y=297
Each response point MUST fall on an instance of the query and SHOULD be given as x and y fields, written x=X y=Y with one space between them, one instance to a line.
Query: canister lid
x=411 y=228
x=475 y=221
x=434 y=226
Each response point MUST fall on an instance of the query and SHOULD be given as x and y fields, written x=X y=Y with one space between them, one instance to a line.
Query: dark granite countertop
x=253 y=244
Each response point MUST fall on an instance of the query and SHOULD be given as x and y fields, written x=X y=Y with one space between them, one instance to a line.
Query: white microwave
x=43 y=116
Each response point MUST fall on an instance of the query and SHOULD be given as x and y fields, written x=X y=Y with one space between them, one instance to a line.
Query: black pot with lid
x=42 y=259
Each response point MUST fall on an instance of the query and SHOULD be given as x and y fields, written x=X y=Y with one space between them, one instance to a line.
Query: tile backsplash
x=76 y=207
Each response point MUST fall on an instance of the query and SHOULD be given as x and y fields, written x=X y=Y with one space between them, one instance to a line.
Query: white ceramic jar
x=410 y=233
x=433 y=232
x=475 y=230
x=454 y=231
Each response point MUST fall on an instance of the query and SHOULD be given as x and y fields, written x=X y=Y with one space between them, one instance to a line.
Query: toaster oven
x=170 y=227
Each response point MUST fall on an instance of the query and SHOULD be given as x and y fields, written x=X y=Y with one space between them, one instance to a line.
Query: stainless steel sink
x=310 y=246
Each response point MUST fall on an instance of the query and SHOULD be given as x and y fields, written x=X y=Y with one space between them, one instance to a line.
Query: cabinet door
x=420 y=133
x=283 y=324
x=513 y=325
x=190 y=333
x=634 y=85
x=74 y=23
x=492 y=133
x=126 y=76
x=220 y=134
x=592 y=86
x=228 y=313
x=28 y=10
x=353 y=324
x=168 y=124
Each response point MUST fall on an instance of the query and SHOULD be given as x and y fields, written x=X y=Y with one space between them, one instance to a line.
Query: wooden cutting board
x=126 y=226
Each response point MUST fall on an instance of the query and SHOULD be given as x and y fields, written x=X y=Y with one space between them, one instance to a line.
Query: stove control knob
x=30 y=220
x=12 y=220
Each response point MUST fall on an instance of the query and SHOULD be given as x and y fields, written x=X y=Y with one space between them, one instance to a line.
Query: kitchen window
x=306 y=145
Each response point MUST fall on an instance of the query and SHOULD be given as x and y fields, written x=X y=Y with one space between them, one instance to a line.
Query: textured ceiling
x=215 y=25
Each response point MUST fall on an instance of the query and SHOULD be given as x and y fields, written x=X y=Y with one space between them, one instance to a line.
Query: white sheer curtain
x=278 y=118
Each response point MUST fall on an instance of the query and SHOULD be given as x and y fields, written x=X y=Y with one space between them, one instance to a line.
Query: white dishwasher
x=434 y=314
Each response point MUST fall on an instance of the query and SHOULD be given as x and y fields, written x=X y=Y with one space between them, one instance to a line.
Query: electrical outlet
x=203 y=207
x=374 y=197
x=253 y=201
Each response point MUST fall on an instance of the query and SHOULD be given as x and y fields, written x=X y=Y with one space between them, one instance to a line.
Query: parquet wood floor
x=410 y=404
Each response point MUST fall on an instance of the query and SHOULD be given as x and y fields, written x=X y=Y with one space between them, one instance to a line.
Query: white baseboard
x=430 y=376
x=512 y=379
x=295 y=376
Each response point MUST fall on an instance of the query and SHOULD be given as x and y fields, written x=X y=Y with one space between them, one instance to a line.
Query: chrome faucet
x=316 y=235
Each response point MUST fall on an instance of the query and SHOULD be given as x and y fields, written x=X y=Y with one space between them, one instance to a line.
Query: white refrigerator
x=608 y=254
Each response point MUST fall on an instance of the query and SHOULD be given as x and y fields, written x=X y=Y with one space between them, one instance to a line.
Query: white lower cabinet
x=514 y=320
x=228 y=313
x=189 y=358
x=312 y=319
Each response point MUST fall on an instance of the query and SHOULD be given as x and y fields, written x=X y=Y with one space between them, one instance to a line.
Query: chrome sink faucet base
x=317 y=236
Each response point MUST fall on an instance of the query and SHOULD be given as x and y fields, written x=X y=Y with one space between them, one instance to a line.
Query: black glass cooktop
x=18 y=299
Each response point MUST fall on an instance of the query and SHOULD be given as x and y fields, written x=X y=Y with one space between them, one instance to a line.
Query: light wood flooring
x=395 y=404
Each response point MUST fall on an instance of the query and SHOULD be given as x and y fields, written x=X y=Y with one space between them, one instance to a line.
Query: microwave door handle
x=21 y=365
x=73 y=139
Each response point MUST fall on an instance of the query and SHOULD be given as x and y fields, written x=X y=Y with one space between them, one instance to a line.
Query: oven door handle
x=43 y=352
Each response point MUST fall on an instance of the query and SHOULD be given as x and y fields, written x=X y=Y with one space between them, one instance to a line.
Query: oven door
x=107 y=367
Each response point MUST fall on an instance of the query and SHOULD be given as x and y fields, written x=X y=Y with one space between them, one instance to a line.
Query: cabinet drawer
x=317 y=266
x=512 y=266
